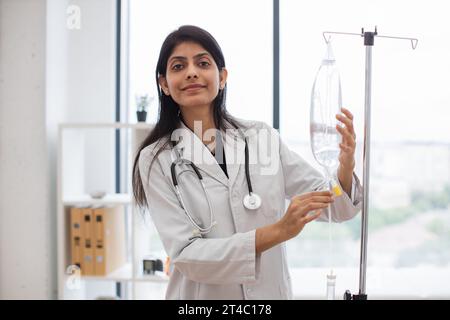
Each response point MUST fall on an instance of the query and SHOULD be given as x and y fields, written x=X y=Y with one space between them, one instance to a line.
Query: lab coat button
x=249 y=291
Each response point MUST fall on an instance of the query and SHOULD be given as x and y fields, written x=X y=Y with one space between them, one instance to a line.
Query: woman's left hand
x=348 y=144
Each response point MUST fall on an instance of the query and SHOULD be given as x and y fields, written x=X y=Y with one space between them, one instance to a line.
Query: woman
x=227 y=248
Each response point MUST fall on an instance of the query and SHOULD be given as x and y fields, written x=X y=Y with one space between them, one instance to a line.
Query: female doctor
x=218 y=205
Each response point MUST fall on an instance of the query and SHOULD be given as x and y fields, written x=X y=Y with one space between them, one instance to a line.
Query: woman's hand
x=347 y=154
x=294 y=220
x=348 y=144
x=298 y=212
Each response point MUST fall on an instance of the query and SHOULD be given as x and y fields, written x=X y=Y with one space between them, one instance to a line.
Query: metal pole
x=366 y=172
x=369 y=38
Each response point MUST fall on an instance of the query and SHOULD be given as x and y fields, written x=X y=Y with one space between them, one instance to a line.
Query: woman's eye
x=177 y=66
x=204 y=63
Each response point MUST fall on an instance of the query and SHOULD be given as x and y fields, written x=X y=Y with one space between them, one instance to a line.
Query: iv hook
x=414 y=41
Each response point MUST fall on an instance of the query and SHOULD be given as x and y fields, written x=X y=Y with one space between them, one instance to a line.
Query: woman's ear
x=223 y=74
x=163 y=83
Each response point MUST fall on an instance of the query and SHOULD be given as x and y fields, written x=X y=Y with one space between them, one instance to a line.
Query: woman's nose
x=192 y=75
x=191 y=72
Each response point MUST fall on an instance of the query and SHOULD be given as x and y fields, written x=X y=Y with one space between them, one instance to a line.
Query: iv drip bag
x=326 y=102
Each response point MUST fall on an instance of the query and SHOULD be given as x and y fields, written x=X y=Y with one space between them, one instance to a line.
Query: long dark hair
x=168 y=118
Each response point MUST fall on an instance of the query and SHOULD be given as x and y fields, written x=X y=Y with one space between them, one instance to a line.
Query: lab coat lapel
x=234 y=146
x=195 y=151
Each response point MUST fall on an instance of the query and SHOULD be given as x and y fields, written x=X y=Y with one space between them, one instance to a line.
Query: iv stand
x=369 y=38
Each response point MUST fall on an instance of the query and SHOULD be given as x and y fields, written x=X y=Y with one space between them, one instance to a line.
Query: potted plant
x=142 y=103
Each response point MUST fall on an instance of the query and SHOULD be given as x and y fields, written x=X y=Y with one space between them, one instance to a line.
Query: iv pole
x=369 y=38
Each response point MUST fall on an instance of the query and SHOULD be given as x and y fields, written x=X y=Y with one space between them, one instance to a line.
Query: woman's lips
x=193 y=87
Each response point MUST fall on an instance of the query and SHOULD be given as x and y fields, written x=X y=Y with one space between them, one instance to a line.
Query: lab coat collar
x=194 y=150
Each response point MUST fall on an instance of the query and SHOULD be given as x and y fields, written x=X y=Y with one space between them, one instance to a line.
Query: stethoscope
x=251 y=201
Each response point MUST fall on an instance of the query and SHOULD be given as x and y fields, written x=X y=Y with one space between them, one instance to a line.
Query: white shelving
x=109 y=199
x=71 y=192
x=123 y=274
x=159 y=277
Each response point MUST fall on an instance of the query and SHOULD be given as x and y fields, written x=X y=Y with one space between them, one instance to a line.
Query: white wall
x=48 y=74
x=25 y=250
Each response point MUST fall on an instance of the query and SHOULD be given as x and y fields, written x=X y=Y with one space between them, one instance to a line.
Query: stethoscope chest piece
x=252 y=201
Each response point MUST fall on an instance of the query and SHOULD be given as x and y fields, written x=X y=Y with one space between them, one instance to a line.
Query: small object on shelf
x=97 y=194
x=142 y=103
x=150 y=265
x=141 y=116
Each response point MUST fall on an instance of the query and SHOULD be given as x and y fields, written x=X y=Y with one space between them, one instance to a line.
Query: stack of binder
x=97 y=236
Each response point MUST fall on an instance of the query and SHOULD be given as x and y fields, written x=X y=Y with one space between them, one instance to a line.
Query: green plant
x=142 y=102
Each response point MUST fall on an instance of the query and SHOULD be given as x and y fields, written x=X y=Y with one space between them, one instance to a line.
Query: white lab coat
x=223 y=263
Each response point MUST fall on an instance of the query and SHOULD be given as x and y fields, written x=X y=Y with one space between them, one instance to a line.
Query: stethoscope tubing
x=173 y=172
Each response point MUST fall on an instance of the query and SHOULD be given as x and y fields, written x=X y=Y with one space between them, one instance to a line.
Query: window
x=409 y=222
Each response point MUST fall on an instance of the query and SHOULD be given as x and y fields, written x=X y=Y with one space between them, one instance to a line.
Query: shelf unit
x=128 y=274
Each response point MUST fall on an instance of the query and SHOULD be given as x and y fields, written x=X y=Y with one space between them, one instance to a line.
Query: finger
x=345 y=148
x=348 y=123
x=344 y=133
x=344 y=138
x=312 y=194
x=347 y=113
x=322 y=199
x=348 y=138
x=311 y=217
x=304 y=210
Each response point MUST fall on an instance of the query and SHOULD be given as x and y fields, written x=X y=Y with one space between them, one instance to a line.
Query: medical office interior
x=75 y=76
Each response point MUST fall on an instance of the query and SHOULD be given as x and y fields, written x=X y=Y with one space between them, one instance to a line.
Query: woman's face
x=192 y=76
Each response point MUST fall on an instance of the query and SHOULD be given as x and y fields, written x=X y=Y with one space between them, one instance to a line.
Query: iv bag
x=326 y=102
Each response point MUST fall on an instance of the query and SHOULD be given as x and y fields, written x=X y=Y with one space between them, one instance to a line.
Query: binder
x=76 y=237
x=109 y=242
x=88 y=238
x=99 y=244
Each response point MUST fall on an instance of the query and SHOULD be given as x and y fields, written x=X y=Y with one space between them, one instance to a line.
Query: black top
x=220 y=157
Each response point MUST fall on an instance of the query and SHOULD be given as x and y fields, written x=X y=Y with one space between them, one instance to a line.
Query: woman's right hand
x=293 y=221
x=298 y=213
